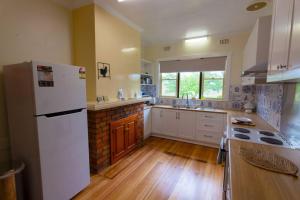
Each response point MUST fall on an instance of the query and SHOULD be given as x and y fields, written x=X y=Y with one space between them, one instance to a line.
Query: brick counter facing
x=99 y=132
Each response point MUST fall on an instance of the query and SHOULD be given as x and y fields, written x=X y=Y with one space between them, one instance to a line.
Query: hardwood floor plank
x=152 y=173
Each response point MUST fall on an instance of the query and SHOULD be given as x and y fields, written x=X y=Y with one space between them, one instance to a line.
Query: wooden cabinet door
x=294 y=61
x=280 y=35
x=131 y=133
x=118 y=140
x=187 y=124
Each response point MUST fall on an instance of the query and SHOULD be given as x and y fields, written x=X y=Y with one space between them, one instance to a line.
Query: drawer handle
x=208 y=136
x=206 y=116
x=206 y=125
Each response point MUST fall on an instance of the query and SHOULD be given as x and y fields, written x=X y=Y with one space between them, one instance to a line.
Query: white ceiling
x=164 y=21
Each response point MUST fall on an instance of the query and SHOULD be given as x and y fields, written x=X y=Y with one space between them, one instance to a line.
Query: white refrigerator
x=46 y=106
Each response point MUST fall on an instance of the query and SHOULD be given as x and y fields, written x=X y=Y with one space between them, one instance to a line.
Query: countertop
x=95 y=106
x=249 y=182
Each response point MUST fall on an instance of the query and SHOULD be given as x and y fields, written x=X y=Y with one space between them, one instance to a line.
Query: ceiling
x=165 y=21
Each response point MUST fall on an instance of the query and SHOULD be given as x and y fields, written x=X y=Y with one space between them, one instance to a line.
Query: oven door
x=221 y=158
x=226 y=181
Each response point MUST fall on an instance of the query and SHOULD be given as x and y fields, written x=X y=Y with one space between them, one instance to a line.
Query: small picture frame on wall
x=103 y=70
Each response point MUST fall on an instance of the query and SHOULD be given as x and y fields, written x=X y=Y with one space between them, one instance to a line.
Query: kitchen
x=198 y=101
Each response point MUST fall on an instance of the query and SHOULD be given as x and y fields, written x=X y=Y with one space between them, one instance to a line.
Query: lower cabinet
x=202 y=127
x=174 y=123
x=123 y=134
x=186 y=124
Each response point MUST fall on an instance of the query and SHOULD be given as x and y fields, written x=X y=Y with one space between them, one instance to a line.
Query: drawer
x=216 y=117
x=210 y=125
x=208 y=137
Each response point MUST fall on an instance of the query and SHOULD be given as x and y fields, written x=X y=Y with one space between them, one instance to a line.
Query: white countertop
x=94 y=106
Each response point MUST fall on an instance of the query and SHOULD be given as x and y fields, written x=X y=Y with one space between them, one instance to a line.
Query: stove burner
x=241 y=130
x=271 y=141
x=266 y=133
x=242 y=136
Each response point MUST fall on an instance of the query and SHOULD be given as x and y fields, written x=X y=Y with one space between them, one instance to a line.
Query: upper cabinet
x=256 y=51
x=284 y=61
x=294 y=61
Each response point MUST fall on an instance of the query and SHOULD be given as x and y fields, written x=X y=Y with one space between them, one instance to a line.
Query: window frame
x=177 y=84
x=201 y=85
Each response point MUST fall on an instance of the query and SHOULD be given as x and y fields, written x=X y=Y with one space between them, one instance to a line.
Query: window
x=169 y=84
x=200 y=85
x=212 y=85
x=189 y=83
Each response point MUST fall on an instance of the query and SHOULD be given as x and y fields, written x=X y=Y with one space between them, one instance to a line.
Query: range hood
x=255 y=75
x=256 y=52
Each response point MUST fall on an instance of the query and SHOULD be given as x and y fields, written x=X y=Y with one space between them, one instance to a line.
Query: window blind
x=194 y=65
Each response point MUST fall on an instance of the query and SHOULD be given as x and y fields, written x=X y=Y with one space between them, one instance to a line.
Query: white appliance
x=47 y=116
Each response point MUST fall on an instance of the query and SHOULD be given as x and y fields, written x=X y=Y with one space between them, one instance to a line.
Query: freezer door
x=64 y=157
x=58 y=88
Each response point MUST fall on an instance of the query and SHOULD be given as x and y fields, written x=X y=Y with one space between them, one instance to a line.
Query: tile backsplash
x=149 y=90
x=238 y=96
x=269 y=103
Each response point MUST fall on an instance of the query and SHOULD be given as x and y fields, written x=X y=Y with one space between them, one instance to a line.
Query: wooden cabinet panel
x=131 y=134
x=123 y=137
x=118 y=138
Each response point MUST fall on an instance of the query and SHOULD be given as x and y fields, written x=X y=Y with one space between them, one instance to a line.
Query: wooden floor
x=152 y=172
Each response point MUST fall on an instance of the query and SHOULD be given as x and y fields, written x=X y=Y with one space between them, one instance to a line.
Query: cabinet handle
x=206 y=116
x=206 y=125
x=178 y=115
x=208 y=136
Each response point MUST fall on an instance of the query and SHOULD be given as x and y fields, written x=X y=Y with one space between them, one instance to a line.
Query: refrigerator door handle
x=68 y=112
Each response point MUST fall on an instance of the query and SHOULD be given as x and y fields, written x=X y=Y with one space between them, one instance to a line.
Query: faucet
x=187 y=105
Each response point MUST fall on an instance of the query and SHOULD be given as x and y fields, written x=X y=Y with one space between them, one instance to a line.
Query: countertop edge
x=93 y=106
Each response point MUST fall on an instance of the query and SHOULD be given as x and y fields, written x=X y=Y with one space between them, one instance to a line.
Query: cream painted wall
x=211 y=47
x=31 y=29
x=113 y=35
x=84 y=45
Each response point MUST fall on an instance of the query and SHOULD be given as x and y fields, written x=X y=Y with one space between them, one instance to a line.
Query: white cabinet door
x=187 y=124
x=157 y=115
x=147 y=123
x=280 y=36
x=170 y=122
x=294 y=61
